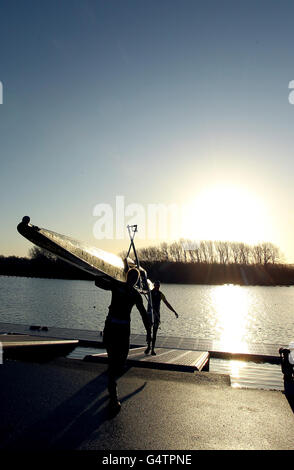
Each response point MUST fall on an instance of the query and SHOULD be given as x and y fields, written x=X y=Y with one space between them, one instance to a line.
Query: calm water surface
x=231 y=314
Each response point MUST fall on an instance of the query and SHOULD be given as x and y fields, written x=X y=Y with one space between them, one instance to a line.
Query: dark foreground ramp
x=33 y=347
x=165 y=359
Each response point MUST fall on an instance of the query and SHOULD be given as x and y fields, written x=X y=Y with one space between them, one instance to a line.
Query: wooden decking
x=166 y=359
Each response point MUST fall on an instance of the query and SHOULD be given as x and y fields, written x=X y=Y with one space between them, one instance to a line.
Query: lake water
x=231 y=314
x=224 y=313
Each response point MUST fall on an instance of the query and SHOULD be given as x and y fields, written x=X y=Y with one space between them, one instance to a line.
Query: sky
x=113 y=108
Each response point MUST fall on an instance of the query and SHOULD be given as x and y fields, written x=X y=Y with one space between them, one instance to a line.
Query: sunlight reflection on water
x=231 y=305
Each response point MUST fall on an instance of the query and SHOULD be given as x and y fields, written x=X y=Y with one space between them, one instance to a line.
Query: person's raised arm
x=169 y=305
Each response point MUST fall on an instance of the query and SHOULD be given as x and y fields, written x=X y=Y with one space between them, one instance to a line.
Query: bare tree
x=235 y=252
x=176 y=251
x=257 y=254
x=164 y=248
x=210 y=248
x=222 y=251
x=204 y=252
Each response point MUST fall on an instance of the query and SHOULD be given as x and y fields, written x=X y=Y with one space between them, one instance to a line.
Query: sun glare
x=227 y=213
x=231 y=305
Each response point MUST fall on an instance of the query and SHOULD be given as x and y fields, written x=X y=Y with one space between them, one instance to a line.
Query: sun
x=227 y=213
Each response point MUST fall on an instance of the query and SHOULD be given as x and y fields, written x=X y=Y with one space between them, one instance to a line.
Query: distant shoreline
x=166 y=271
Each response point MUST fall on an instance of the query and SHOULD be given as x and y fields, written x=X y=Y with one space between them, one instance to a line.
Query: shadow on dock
x=71 y=423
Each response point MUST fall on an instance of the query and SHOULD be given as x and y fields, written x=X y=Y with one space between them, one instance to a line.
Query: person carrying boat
x=116 y=334
x=157 y=297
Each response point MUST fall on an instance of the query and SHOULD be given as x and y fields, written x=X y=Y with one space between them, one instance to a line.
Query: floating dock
x=258 y=352
x=21 y=346
x=165 y=359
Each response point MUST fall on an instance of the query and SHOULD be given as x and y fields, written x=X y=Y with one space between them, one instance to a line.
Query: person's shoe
x=114 y=405
x=147 y=350
x=153 y=353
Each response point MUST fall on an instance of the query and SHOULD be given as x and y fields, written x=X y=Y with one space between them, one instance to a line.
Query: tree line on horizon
x=216 y=262
x=185 y=261
x=40 y=263
x=212 y=252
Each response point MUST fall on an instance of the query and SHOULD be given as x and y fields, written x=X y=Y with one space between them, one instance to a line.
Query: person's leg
x=147 y=350
x=109 y=344
x=148 y=340
x=117 y=346
x=155 y=328
x=112 y=374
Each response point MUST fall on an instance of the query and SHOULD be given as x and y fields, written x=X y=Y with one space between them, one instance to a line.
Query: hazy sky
x=180 y=102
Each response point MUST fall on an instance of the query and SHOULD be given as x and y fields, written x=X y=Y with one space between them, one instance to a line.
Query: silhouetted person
x=116 y=334
x=157 y=296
